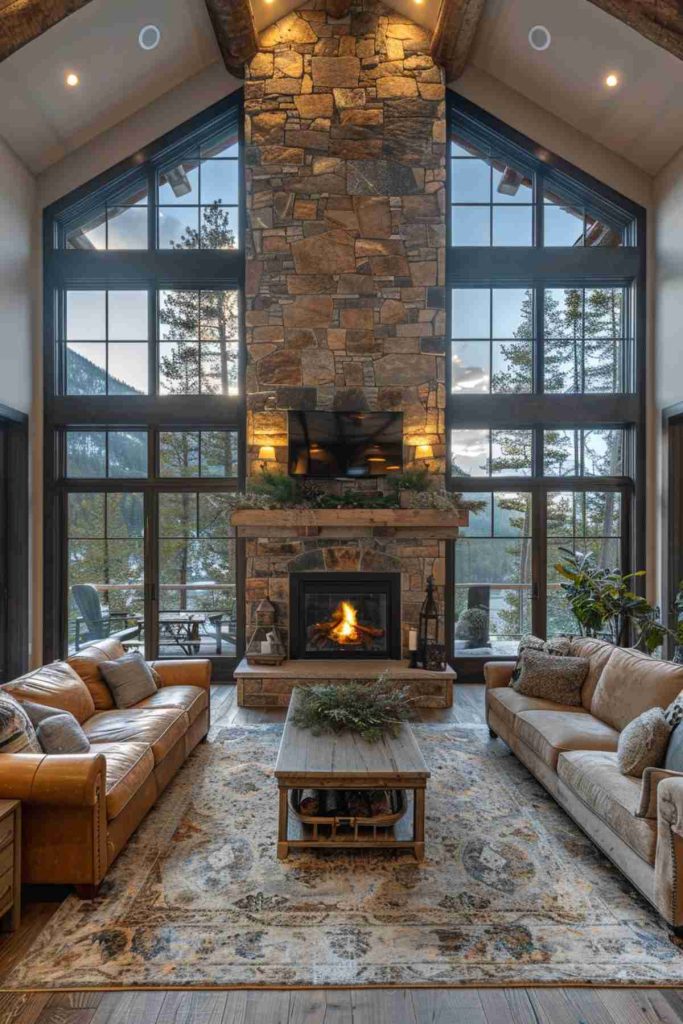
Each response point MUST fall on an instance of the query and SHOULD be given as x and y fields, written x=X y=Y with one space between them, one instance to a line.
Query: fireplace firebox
x=345 y=615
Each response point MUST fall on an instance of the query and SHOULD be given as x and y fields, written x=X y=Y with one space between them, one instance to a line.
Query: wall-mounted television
x=352 y=445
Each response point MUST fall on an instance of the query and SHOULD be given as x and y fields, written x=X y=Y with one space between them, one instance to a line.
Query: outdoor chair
x=96 y=622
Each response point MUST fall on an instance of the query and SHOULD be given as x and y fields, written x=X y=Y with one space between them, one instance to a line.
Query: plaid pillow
x=17 y=735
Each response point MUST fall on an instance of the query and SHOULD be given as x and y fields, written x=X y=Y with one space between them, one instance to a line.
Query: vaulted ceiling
x=637 y=39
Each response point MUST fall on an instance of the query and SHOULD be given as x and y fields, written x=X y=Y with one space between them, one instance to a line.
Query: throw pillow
x=58 y=731
x=643 y=743
x=673 y=759
x=558 y=646
x=130 y=679
x=551 y=677
x=674 y=712
x=17 y=735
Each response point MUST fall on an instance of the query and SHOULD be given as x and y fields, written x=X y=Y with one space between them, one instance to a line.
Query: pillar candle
x=412 y=639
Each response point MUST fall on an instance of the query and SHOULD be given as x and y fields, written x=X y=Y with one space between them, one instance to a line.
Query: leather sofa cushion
x=631 y=683
x=159 y=728
x=128 y=765
x=548 y=733
x=191 y=699
x=87 y=664
x=598 y=653
x=507 y=703
x=56 y=686
x=593 y=775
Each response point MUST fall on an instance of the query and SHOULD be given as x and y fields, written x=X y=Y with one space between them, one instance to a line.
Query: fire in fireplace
x=345 y=614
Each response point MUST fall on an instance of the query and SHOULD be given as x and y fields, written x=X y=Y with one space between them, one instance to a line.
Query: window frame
x=153 y=270
x=540 y=267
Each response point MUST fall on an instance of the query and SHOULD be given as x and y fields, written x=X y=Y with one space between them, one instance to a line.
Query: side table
x=10 y=864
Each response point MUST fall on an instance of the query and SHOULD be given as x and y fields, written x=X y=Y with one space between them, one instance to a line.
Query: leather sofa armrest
x=186 y=672
x=498 y=673
x=61 y=780
x=669 y=858
x=648 y=794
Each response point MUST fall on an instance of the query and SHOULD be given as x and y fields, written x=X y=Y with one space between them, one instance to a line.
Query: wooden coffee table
x=345 y=761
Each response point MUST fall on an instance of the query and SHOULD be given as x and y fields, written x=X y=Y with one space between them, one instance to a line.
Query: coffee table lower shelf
x=415 y=843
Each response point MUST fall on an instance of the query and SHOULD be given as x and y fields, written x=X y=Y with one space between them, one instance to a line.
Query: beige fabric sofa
x=637 y=823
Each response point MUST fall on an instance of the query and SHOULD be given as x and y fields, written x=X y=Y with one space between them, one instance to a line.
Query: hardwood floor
x=329 y=1006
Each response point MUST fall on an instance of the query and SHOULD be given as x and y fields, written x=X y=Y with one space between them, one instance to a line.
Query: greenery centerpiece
x=369 y=709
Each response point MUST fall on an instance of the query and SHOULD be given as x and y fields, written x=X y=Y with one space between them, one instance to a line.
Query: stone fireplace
x=345 y=133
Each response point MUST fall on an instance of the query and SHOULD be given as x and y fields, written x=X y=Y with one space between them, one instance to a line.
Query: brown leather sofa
x=79 y=810
x=637 y=823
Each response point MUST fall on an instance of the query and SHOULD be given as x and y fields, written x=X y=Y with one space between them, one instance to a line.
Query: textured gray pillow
x=58 y=731
x=674 y=712
x=673 y=759
x=643 y=743
x=550 y=677
x=557 y=645
x=130 y=679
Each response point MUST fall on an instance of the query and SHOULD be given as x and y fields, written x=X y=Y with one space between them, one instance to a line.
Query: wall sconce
x=266 y=453
x=424 y=451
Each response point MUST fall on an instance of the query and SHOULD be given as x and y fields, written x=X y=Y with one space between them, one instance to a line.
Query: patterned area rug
x=511 y=890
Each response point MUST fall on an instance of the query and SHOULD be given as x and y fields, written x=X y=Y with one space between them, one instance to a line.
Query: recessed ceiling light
x=149 y=37
x=539 y=38
x=612 y=81
x=72 y=80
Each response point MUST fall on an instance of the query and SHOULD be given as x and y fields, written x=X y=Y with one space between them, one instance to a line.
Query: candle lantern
x=266 y=646
x=428 y=624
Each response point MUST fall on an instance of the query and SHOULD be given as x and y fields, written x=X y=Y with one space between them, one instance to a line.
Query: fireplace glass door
x=349 y=615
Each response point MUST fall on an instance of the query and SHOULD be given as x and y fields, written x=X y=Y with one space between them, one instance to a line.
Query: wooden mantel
x=418 y=522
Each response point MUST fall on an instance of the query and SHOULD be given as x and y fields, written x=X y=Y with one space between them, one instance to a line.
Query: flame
x=345 y=631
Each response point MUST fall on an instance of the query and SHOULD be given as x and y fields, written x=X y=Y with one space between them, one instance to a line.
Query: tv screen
x=354 y=445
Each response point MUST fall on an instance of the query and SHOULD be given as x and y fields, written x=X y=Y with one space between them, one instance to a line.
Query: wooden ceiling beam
x=454 y=34
x=24 y=20
x=660 y=21
x=233 y=23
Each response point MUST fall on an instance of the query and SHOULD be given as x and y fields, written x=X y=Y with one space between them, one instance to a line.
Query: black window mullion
x=538 y=371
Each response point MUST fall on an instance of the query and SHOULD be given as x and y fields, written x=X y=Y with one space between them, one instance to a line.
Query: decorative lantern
x=428 y=627
x=266 y=646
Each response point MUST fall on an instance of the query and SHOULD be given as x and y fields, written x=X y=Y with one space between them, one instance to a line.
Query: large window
x=545 y=273
x=144 y=368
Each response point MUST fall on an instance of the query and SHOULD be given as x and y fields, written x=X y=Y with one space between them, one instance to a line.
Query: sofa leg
x=87 y=892
x=677 y=931
x=492 y=734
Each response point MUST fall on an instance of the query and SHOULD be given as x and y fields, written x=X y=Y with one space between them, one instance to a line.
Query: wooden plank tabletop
x=305 y=757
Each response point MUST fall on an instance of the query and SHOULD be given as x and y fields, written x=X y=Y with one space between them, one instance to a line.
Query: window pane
x=513 y=225
x=219 y=453
x=603 y=452
x=470 y=181
x=599 y=233
x=471 y=313
x=90 y=235
x=179 y=315
x=125 y=516
x=220 y=227
x=128 y=369
x=471 y=370
x=178 y=228
x=127 y=453
x=512 y=186
x=128 y=316
x=562 y=225
x=493 y=576
x=470 y=452
x=218 y=315
x=561 y=456
x=179 y=368
x=513 y=313
x=512 y=367
x=470 y=225
x=584 y=343
x=179 y=453
x=510 y=453
x=219 y=182
x=86 y=316
x=127 y=227
x=86 y=453
x=86 y=369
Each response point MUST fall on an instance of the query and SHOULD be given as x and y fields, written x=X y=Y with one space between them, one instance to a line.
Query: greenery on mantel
x=369 y=709
x=275 y=490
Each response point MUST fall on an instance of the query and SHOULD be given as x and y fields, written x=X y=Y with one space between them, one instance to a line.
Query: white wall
x=17 y=206
x=668 y=288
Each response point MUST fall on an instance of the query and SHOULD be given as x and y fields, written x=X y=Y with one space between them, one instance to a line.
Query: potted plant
x=410 y=485
x=473 y=627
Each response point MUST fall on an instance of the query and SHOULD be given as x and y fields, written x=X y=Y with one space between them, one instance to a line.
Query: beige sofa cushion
x=128 y=766
x=159 y=728
x=55 y=686
x=598 y=653
x=506 y=703
x=631 y=683
x=594 y=777
x=548 y=733
x=192 y=699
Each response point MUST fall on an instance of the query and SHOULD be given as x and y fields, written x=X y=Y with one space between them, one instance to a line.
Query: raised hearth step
x=270 y=686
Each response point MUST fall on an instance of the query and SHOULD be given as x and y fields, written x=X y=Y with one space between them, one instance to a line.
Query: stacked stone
x=345 y=129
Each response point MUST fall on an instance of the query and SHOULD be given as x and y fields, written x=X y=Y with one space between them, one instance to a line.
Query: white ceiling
x=642 y=119
x=43 y=121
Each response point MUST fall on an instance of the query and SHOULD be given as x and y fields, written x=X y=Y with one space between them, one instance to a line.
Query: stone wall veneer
x=345 y=131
